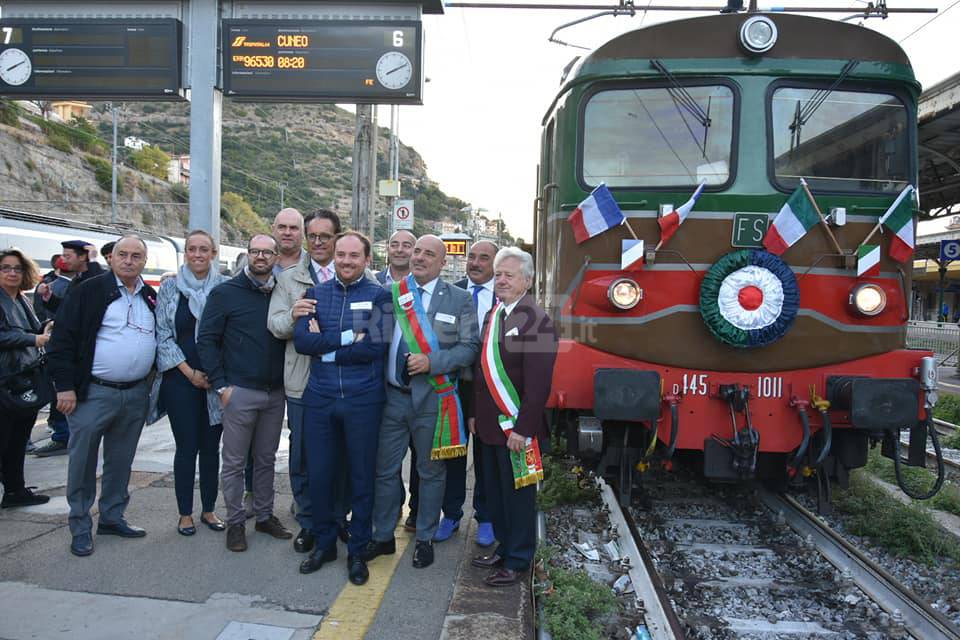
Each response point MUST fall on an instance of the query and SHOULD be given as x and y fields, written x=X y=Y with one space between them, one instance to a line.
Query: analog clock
x=15 y=67
x=394 y=70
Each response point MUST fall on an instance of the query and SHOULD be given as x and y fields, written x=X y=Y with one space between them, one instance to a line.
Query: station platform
x=167 y=586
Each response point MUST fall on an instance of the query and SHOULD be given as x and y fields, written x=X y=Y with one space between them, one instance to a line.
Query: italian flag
x=868 y=260
x=796 y=217
x=899 y=219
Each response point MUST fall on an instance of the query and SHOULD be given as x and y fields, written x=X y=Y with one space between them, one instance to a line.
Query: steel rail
x=919 y=618
x=949 y=427
x=659 y=7
x=661 y=620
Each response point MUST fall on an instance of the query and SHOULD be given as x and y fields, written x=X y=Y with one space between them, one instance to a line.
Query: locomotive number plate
x=749 y=229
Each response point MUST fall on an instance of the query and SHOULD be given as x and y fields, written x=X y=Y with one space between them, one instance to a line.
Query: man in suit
x=100 y=356
x=399 y=251
x=412 y=406
x=479 y=283
x=526 y=340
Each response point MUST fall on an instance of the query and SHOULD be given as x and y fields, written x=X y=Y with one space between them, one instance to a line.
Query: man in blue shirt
x=344 y=397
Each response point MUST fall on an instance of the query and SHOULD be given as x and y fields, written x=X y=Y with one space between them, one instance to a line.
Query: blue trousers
x=299 y=481
x=338 y=432
x=512 y=511
x=195 y=437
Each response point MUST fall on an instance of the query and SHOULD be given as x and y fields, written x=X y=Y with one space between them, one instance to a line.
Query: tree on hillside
x=241 y=215
x=151 y=160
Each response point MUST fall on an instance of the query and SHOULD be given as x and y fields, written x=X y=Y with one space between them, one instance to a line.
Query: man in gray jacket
x=412 y=403
x=286 y=305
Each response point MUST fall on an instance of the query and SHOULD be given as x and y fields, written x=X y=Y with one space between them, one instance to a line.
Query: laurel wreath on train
x=749 y=298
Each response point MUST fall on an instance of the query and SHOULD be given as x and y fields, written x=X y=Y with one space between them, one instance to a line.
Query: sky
x=492 y=74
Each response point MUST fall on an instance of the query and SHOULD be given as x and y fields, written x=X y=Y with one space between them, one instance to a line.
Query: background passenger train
x=708 y=342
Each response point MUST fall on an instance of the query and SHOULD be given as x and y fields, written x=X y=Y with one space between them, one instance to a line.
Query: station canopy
x=939 y=148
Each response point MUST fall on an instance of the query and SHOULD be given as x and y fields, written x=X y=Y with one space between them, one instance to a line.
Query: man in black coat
x=77 y=258
x=100 y=357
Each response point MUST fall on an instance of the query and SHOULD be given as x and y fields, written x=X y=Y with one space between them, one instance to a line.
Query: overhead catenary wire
x=917 y=30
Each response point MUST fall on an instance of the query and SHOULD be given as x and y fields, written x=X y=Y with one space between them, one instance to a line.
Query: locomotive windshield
x=839 y=140
x=658 y=137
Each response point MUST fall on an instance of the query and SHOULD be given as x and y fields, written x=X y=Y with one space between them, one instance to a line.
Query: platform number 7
x=7 y=34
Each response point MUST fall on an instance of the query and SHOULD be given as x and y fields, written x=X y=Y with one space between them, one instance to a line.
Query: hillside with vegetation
x=301 y=151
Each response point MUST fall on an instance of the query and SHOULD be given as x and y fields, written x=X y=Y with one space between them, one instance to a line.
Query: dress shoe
x=121 y=529
x=188 y=530
x=488 y=561
x=23 y=498
x=52 y=448
x=357 y=570
x=446 y=529
x=317 y=559
x=502 y=577
x=423 y=554
x=82 y=545
x=374 y=549
x=410 y=524
x=213 y=525
x=274 y=527
x=237 y=537
x=485 y=536
x=304 y=541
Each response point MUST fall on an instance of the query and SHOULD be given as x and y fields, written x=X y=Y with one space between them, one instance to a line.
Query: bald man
x=399 y=251
x=413 y=403
x=288 y=230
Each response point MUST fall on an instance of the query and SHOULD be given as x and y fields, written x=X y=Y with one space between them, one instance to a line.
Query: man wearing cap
x=76 y=259
x=100 y=356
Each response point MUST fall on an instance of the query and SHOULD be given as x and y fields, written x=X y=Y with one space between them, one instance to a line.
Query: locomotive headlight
x=624 y=293
x=758 y=34
x=868 y=299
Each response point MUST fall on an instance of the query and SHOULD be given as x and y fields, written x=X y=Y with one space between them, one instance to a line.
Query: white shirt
x=507 y=308
x=127 y=339
x=484 y=300
x=425 y=298
x=323 y=273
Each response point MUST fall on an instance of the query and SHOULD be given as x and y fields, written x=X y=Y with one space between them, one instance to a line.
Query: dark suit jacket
x=71 y=348
x=528 y=356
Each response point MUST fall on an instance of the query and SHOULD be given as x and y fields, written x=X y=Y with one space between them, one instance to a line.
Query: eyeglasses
x=11 y=267
x=133 y=325
x=319 y=238
x=266 y=253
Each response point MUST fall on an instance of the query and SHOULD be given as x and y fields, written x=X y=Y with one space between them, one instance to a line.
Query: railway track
x=734 y=562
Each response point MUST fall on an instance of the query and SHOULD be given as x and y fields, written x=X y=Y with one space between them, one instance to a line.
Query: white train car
x=39 y=236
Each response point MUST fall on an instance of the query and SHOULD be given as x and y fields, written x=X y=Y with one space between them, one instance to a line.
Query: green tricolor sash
x=527 y=465
x=449 y=437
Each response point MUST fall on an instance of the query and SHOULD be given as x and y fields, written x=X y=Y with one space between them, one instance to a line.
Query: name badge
x=406 y=298
x=513 y=332
x=361 y=306
x=447 y=318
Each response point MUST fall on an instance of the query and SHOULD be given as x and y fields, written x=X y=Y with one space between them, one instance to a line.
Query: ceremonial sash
x=449 y=437
x=527 y=465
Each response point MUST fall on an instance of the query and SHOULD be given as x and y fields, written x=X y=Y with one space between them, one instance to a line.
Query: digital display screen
x=133 y=59
x=323 y=61
x=456 y=247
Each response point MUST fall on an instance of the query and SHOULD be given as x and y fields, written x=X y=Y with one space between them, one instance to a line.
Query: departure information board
x=131 y=59
x=361 y=61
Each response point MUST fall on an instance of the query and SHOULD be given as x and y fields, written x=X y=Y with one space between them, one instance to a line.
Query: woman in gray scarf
x=194 y=409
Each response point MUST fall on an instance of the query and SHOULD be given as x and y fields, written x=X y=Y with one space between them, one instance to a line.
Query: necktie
x=476 y=295
x=401 y=365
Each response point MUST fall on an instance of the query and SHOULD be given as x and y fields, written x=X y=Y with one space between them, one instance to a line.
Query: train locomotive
x=756 y=364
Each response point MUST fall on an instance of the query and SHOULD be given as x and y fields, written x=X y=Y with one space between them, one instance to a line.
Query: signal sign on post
x=403 y=214
x=949 y=250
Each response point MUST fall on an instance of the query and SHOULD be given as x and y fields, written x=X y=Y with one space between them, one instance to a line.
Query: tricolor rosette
x=749 y=298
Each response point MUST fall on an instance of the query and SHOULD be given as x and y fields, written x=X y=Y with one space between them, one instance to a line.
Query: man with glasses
x=244 y=364
x=287 y=305
x=99 y=358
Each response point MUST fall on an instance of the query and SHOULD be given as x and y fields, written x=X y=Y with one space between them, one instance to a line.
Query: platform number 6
x=398 y=38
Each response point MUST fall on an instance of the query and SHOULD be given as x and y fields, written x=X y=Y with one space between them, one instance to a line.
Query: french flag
x=595 y=215
x=672 y=221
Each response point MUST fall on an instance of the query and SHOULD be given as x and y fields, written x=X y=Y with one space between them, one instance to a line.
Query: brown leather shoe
x=410 y=524
x=274 y=527
x=488 y=561
x=236 y=537
x=502 y=577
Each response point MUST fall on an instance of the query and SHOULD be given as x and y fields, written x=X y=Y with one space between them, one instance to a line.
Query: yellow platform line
x=355 y=608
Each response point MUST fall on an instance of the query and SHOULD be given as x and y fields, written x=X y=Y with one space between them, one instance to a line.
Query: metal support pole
x=113 y=179
x=361 y=168
x=372 y=189
x=206 y=103
x=941 y=316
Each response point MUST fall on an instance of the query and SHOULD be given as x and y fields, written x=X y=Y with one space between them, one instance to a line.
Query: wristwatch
x=221 y=390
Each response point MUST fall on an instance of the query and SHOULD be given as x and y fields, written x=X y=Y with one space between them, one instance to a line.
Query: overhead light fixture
x=758 y=34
